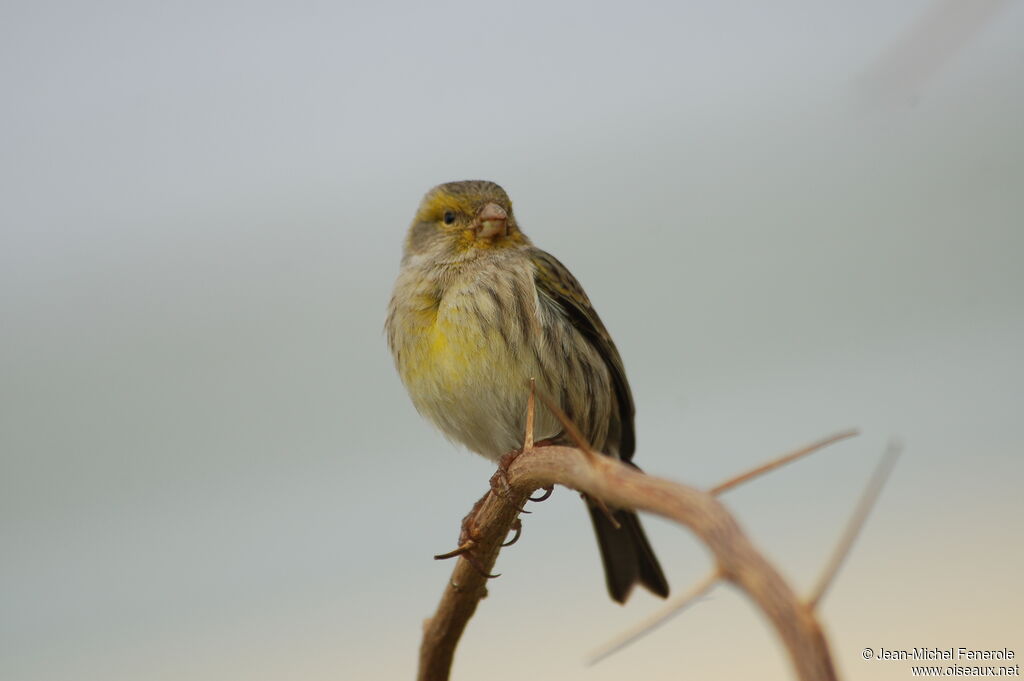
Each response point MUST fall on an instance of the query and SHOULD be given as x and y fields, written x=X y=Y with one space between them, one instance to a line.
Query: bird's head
x=462 y=220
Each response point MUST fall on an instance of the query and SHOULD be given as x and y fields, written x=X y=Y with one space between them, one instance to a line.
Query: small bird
x=477 y=311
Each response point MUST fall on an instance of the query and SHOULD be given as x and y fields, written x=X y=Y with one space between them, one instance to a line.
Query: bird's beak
x=491 y=221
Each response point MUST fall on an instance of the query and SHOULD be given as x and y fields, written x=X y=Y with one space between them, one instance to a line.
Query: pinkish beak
x=491 y=221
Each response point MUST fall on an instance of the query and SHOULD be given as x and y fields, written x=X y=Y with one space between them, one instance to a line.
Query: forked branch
x=599 y=477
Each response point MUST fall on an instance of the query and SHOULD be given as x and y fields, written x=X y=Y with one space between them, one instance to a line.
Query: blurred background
x=794 y=217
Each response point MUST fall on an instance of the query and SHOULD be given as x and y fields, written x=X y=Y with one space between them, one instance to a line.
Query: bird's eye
x=449 y=217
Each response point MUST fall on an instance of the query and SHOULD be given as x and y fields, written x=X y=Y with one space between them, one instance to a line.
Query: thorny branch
x=604 y=478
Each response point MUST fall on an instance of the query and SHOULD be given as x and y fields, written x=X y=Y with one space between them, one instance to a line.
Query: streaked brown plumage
x=476 y=312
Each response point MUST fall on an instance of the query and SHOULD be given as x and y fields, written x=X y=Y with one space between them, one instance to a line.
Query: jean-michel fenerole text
x=944 y=654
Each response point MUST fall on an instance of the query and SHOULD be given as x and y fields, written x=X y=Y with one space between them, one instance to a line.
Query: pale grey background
x=790 y=223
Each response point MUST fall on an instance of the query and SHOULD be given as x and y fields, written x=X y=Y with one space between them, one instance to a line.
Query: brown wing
x=558 y=288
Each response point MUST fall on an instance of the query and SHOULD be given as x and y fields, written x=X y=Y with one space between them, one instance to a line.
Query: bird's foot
x=549 y=488
x=499 y=481
x=468 y=535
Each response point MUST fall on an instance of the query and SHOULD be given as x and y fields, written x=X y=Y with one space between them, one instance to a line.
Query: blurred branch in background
x=605 y=478
x=928 y=44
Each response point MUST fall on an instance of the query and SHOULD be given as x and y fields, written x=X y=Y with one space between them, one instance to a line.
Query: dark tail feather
x=626 y=554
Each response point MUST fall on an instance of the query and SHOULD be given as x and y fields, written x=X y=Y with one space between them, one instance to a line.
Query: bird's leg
x=499 y=481
x=549 y=488
x=501 y=487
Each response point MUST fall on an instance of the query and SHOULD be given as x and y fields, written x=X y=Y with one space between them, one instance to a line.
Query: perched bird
x=477 y=311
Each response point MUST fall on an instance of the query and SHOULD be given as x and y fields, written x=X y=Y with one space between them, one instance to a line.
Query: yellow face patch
x=434 y=208
x=462 y=209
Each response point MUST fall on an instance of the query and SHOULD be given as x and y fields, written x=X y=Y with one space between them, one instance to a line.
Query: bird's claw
x=517 y=527
x=547 y=493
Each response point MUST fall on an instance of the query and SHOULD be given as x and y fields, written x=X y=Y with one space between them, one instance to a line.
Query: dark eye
x=449 y=217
